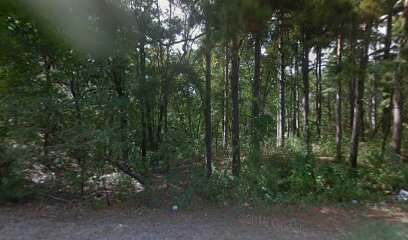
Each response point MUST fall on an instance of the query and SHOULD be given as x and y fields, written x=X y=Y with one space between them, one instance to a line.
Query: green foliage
x=383 y=174
x=129 y=93
x=335 y=182
x=300 y=181
x=219 y=188
x=13 y=189
x=289 y=175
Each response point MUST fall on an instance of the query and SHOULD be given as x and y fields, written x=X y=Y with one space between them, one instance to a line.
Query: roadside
x=36 y=221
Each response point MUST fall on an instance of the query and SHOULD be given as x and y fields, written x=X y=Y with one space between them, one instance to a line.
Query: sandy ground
x=54 y=222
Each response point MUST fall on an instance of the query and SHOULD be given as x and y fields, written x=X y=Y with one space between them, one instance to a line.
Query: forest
x=248 y=101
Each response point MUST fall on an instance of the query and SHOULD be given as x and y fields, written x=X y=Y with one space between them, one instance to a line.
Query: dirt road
x=54 y=222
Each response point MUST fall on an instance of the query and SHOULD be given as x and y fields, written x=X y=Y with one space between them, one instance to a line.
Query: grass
x=379 y=231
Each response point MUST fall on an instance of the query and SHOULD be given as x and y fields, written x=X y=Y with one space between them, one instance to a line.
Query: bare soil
x=51 y=222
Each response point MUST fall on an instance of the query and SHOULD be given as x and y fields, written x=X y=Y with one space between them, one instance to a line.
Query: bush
x=219 y=187
x=301 y=179
x=13 y=189
x=12 y=183
x=335 y=182
x=256 y=184
x=383 y=174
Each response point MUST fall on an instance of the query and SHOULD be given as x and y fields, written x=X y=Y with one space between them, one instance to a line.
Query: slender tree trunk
x=398 y=88
x=78 y=151
x=142 y=73
x=352 y=84
x=281 y=101
x=386 y=116
x=362 y=113
x=256 y=96
x=289 y=108
x=225 y=99
x=373 y=101
x=295 y=117
x=117 y=78
x=293 y=104
x=236 y=162
x=397 y=118
x=355 y=128
x=163 y=109
x=207 y=103
x=318 y=91
x=359 y=92
x=305 y=77
x=339 y=129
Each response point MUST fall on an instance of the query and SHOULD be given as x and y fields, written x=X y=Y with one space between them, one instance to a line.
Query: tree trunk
x=47 y=127
x=359 y=91
x=256 y=99
x=236 y=162
x=305 y=77
x=225 y=100
x=142 y=74
x=373 y=101
x=207 y=103
x=362 y=113
x=295 y=113
x=355 y=128
x=352 y=84
x=318 y=91
x=118 y=81
x=386 y=116
x=281 y=101
x=79 y=150
x=293 y=104
x=339 y=129
x=398 y=88
x=397 y=118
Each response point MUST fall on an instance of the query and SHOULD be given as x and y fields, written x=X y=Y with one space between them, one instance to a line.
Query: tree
x=236 y=159
x=207 y=108
x=398 y=88
x=281 y=100
x=339 y=129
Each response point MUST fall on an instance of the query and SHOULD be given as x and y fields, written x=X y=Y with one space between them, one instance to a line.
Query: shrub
x=13 y=189
x=218 y=188
x=335 y=182
x=383 y=174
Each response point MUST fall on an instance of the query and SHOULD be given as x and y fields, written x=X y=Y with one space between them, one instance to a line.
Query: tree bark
x=398 y=88
x=236 y=162
x=119 y=85
x=295 y=117
x=281 y=101
x=386 y=116
x=305 y=77
x=359 y=92
x=225 y=99
x=207 y=102
x=339 y=129
x=142 y=74
x=256 y=97
x=78 y=151
x=373 y=101
x=319 y=91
